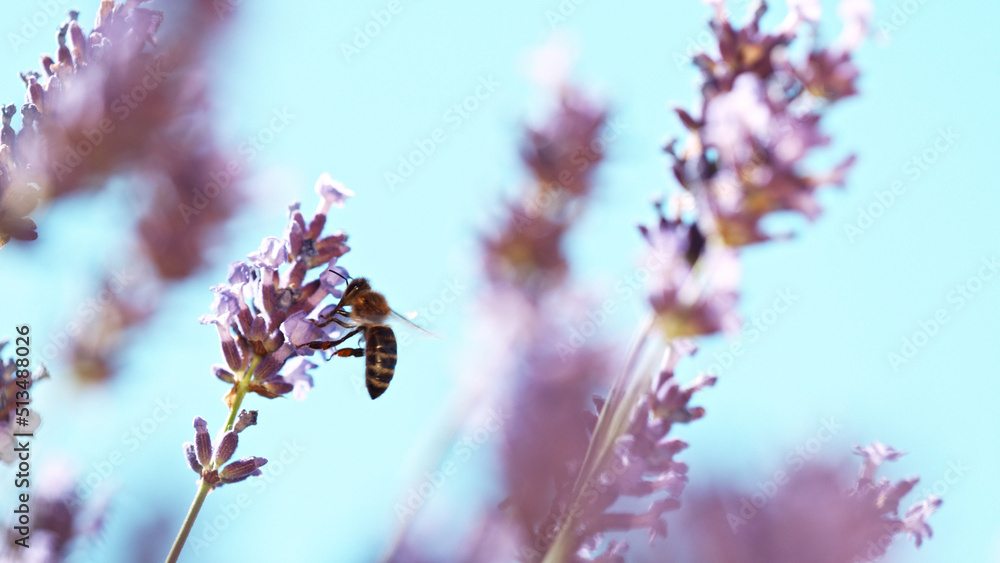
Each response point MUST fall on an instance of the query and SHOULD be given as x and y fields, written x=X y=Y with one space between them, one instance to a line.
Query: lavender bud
x=192 y=458
x=246 y=418
x=202 y=441
x=278 y=386
x=232 y=354
x=240 y=470
x=223 y=374
x=227 y=445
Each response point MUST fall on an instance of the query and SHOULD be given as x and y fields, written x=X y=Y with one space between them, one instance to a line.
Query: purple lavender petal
x=297 y=374
x=332 y=193
x=271 y=254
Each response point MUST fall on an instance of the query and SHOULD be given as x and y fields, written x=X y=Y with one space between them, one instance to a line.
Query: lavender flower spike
x=205 y=463
x=264 y=312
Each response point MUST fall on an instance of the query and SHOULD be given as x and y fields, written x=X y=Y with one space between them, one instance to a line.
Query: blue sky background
x=348 y=460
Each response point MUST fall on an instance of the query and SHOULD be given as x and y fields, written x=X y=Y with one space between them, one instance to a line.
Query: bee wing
x=405 y=320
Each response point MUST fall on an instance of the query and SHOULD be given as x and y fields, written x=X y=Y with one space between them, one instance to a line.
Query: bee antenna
x=341 y=275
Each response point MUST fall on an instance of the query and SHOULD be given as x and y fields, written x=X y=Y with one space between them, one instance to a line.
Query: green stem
x=199 y=499
x=611 y=421
x=204 y=488
x=241 y=392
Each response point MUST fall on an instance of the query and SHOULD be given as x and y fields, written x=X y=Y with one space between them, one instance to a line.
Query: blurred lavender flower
x=263 y=312
x=526 y=252
x=59 y=520
x=694 y=287
x=210 y=463
x=124 y=100
x=549 y=387
x=9 y=387
x=885 y=496
x=759 y=118
x=810 y=518
x=639 y=463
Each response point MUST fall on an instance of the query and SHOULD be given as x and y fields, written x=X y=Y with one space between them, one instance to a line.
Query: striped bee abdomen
x=380 y=359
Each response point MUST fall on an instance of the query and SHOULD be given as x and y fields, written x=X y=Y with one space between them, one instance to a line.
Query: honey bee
x=369 y=314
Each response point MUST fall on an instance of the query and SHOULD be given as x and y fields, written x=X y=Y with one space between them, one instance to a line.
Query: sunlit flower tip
x=332 y=193
x=239 y=274
x=915 y=519
x=857 y=18
x=244 y=419
x=240 y=470
x=76 y=41
x=875 y=455
x=202 y=441
x=192 y=458
x=226 y=305
x=271 y=254
x=226 y=448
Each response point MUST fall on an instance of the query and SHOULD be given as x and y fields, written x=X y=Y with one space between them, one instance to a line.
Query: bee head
x=355 y=288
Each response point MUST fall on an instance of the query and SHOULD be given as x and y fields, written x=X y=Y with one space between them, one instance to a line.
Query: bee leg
x=350 y=352
x=327 y=344
x=332 y=318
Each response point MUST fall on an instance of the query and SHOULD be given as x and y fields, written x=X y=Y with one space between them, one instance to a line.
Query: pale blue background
x=827 y=356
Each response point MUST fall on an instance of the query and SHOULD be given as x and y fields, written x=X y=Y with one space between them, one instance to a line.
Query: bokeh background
x=340 y=463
